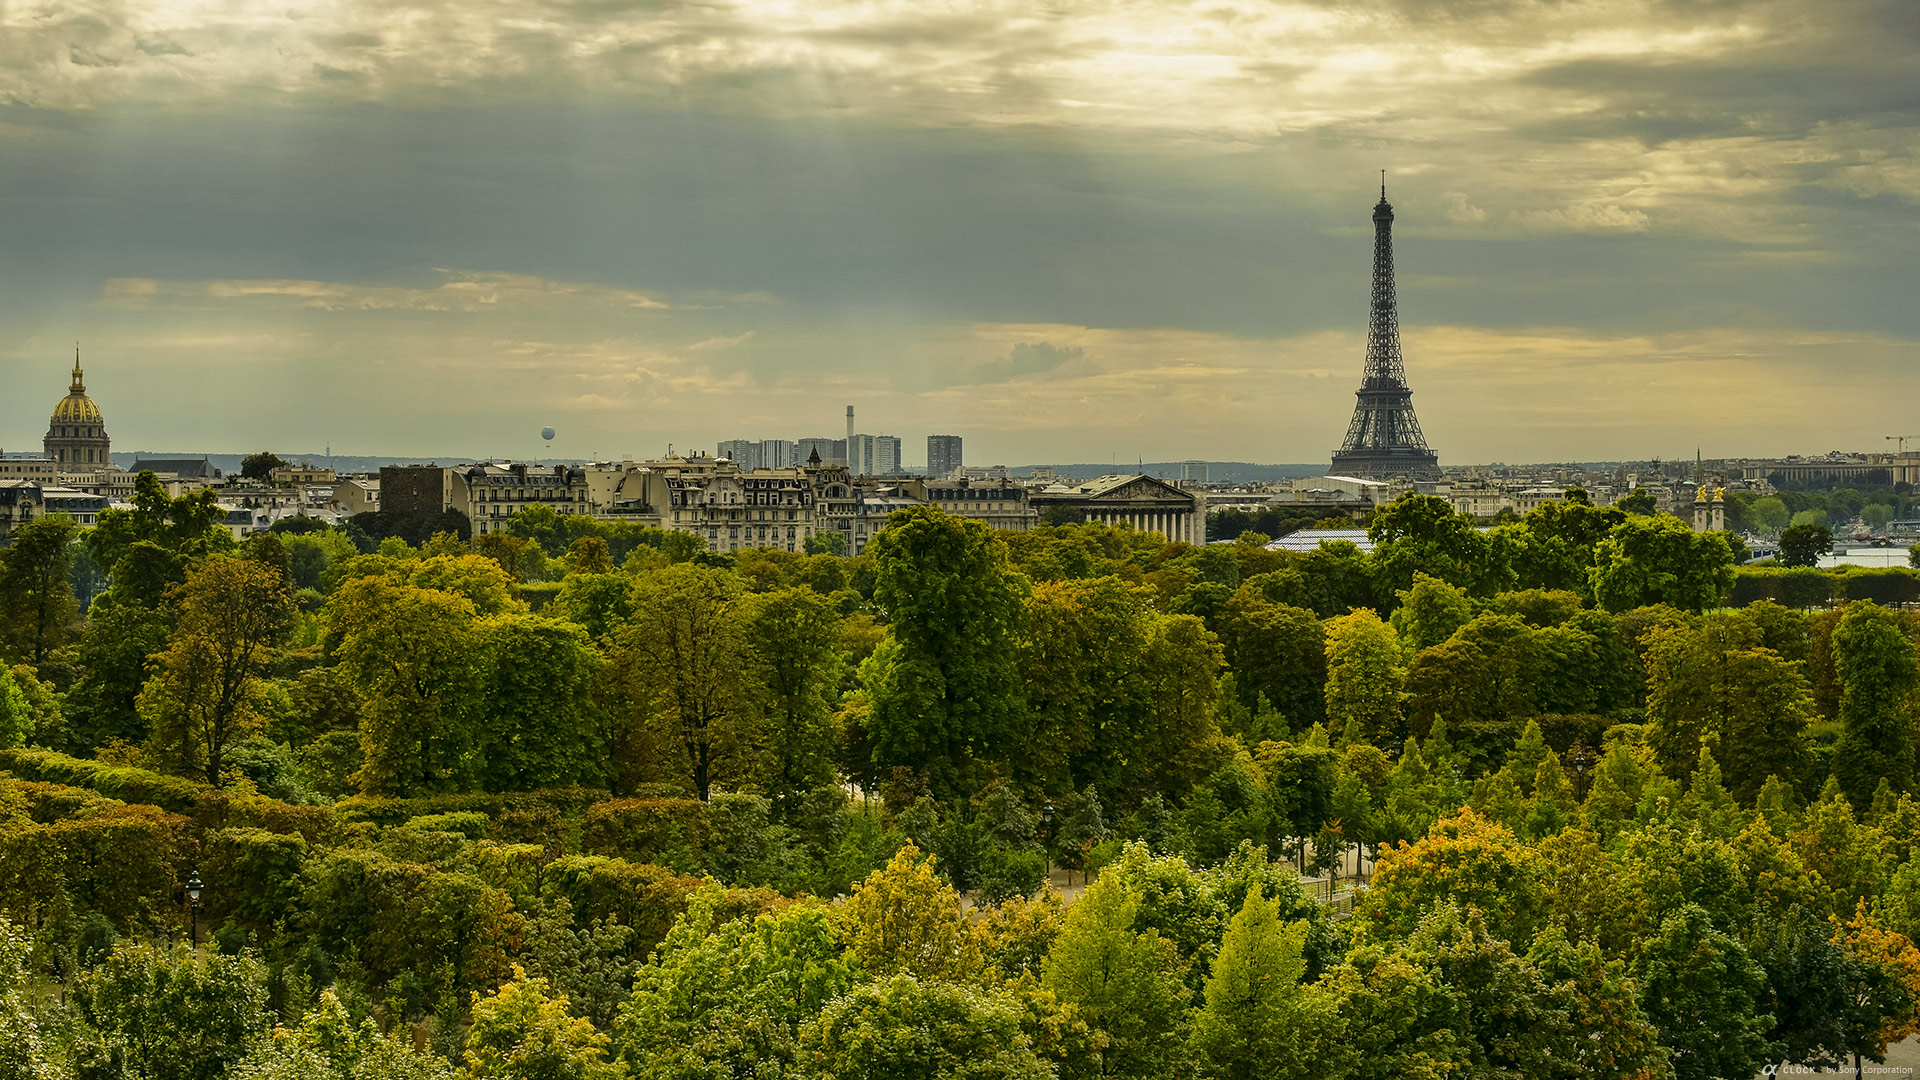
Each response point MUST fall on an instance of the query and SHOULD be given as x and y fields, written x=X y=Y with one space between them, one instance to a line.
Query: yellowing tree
x=1465 y=859
x=201 y=697
x=523 y=1033
x=1364 y=670
x=904 y=919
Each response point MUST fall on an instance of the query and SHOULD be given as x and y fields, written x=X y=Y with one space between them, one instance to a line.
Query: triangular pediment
x=1143 y=488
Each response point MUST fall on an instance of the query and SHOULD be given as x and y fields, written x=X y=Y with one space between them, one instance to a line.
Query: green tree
x=1483 y=681
x=680 y=666
x=1363 y=678
x=1560 y=540
x=902 y=1028
x=1804 y=543
x=592 y=964
x=1125 y=983
x=16 y=715
x=599 y=603
x=1639 y=502
x=24 y=1053
x=939 y=688
x=1877 y=671
x=827 y=542
x=589 y=555
x=1467 y=860
x=795 y=636
x=1713 y=682
x=189 y=526
x=1659 y=560
x=260 y=466
x=730 y=998
x=1706 y=997
x=203 y=695
x=1183 y=664
x=170 y=1013
x=1278 y=652
x=1827 y=1003
x=1417 y=534
x=1430 y=611
x=1768 y=514
x=328 y=1045
x=1259 y=1020
x=521 y=1032
x=539 y=726
x=112 y=657
x=36 y=599
x=415 y=657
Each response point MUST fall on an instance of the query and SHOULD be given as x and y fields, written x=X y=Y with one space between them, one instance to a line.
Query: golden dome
x=77 y=407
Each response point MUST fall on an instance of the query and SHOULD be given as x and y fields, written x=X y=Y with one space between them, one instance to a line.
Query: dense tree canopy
x=580 y=799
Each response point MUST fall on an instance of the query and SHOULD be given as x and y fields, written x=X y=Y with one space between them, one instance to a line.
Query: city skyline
x=1088 y=234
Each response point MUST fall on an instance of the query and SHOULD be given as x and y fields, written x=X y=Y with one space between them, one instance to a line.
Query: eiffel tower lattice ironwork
x=1384 y=439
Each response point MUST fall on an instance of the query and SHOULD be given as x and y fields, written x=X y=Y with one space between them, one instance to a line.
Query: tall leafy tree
x=1467 y=860
x=904 y=919
x=1877 y=671
x=1421 y=534
x=1561 y=538
x=1259 y=1020
x=902 y=1028
x=1713 y=681
x=1364 y=668
x=36 y=600
x=1278 y=652
x=1124 y=982
x=1803 y=544
x=201 y=698
x=170 y=1013
x=1429 y=612
x=1183 y=663
x=1659 y=560
x=415 y=657
x=1483 y=681
x=795 y=638
x=1707 y=998
x=681 y=664
x=188 y=526
x=538 y=727
x=24 y=1051
x=941 y=700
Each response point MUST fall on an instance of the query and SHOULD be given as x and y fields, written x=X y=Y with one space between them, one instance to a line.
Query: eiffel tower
x=1384 y=438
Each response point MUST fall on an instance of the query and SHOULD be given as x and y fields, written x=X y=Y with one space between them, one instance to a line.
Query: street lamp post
x=1582 y=760
x=193 y=900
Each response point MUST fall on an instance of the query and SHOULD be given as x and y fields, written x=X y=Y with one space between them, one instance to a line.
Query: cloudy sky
x=1069 y=230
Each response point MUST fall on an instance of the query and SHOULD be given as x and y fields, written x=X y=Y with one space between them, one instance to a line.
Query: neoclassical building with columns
x=1139 y=501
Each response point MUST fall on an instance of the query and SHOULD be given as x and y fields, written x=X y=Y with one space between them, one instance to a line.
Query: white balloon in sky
x=546 y=433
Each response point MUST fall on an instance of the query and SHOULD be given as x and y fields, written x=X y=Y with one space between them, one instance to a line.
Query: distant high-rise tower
x=943 y=456
x=1384 y=439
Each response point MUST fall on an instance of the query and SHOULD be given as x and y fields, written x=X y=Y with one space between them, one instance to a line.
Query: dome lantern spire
x=79 y=385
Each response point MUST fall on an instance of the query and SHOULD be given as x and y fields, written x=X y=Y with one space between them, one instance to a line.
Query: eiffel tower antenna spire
x=1384 y=438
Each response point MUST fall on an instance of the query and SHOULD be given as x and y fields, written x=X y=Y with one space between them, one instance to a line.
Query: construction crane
x=1900 y=441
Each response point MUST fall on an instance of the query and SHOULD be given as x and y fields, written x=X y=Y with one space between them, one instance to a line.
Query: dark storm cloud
x=1170 y=200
